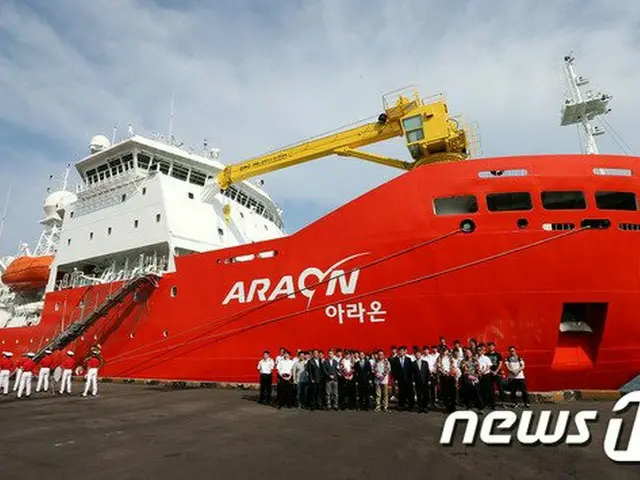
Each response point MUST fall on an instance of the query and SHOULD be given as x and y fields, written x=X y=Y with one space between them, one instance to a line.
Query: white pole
x=173 y=98
x=66 y=177
x=4 y=212
x=590 y=142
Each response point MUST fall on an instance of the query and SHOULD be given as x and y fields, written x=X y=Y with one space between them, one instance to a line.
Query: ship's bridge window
x=159 y=164
x=165 y=167
x=127 y=161
x=197 y=178
x=413 y=128
x=91 y=176
x=456 y=205
x=511 y=201
x=116 y=166
x=563 y=200
x=103 y=171
x=143 y=161
x=616 y=201
x=179 y=172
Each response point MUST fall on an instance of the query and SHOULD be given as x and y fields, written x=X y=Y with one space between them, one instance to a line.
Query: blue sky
x=252 y=75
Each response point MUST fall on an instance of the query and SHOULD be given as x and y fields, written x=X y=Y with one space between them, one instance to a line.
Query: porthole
x=109 y=230
x=220 y=232
x=144 y=190
x=158 y=217
x=135 y=224
x=165 y=333
x=522 y=223
x=467 y=226
x=191 y=195
x=90 y=235
x=174 y=291
x=124 y=197
x=131 y=335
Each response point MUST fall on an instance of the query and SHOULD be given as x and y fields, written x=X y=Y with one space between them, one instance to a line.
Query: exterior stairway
x=76 y=329
x=631 y=386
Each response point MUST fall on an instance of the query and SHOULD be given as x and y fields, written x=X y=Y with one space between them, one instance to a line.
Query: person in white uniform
x=28 y=366
x=16 y=383
x=67 y=372
x=45 y=371
x=6 y=365
x=93 y=363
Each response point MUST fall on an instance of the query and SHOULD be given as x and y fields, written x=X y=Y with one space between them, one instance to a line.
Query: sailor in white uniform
x=6 y=365
x=68 y=365
x=45 y=371
x=16 y=383
x=28 y=367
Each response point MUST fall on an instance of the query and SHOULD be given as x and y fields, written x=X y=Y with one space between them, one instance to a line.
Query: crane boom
x=430 y=135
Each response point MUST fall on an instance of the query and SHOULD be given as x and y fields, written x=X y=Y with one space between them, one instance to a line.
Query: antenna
x=113 y=135
x=173 y=98
x=581 y=108
x=66 y=177
x=4 y=212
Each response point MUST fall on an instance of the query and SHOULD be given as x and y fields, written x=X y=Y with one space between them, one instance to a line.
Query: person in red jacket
x=6 y=367
x=45 y=371
x=93 y=364
x=28 y=367
x=67 y=372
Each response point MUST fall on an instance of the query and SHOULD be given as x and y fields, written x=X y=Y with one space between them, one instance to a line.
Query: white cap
x=48 y=352
x=70 y=353
x=31 y=354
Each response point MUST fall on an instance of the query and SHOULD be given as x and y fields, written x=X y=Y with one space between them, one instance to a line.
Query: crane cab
x=431 y=131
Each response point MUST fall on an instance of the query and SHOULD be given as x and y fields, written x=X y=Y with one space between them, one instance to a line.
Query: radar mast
x=581 y=107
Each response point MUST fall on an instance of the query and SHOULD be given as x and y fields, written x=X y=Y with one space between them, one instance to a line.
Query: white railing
x=144 y=265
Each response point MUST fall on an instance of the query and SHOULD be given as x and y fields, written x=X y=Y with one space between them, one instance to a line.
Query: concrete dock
x=137 y=431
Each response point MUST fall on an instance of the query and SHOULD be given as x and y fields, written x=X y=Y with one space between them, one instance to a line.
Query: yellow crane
x=431 y=135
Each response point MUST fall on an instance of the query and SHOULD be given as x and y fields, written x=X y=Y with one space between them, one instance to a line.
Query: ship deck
x=137 y=431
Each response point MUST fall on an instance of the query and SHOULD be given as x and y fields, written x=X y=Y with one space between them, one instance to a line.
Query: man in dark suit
x=363 y=377
x=330 y=374
x=314 y=373
x=402 y=372
x=421 y=376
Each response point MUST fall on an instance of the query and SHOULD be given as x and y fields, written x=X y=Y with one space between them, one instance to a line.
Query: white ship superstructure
x=140 y=204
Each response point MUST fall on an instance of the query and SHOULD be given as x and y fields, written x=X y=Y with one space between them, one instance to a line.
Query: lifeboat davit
x=28 y=273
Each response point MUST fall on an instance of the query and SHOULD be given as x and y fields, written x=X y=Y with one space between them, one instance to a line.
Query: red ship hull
x=504 y=281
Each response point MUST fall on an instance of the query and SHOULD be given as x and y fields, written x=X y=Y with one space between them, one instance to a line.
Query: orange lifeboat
x=28 y=273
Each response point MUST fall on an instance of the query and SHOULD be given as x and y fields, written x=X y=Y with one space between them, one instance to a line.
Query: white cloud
x=250 y=78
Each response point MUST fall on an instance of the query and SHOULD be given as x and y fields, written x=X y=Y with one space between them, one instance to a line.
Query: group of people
x=470 y=376
x=25 y=368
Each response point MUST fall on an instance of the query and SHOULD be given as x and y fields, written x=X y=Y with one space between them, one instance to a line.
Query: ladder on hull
x=76 y=329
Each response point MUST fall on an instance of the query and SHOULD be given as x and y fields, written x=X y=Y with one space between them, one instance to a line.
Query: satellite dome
x=99 y=143
x=57 y=202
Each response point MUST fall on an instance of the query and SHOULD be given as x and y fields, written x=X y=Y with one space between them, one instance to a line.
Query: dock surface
x=138 y=431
